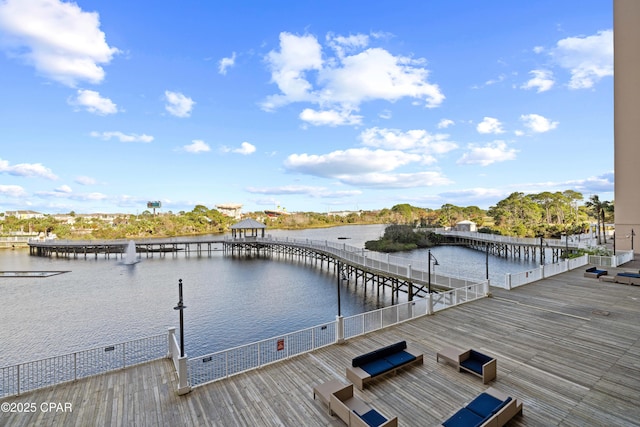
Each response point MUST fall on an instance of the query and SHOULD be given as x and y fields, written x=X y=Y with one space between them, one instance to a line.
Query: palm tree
x=598 y=209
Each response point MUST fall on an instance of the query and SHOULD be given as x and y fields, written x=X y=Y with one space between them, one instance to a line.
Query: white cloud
x=496 y=151
x=445 y=123
x=85 y=180
x=322 y=192
x=297 y=55
x=347 y=44
x=349 y=162
x=178 y=104
x=12 y=191
x=397 y=180
x=588 y=59
x=123 y=137
x=64 y=189
x=537 y=123
x=385 y=114
x=329 y=117
x=490 y=125
x=542 y=80
x=27 y=170
x=340 y=83
x=376 y=74
x=226 y=63
x=416 y=140
x=244 y=149
x=197 y=146
x=94 y=103
x=60 y=40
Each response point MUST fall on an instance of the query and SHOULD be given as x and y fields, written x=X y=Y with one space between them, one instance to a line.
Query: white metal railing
x=513 y=280
x=222 y=364
x=414 y=270
x=36 y=374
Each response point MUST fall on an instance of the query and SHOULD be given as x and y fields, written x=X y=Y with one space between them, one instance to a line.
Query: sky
x=302 y=105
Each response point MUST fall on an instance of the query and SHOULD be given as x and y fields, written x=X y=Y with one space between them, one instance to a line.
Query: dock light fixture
x=435 y=262
x=180 y=307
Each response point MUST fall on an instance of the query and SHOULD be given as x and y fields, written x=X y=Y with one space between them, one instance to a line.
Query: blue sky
x=311 y=106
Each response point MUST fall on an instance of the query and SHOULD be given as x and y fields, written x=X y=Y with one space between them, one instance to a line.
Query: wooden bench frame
x=347 y=406
x=506 y=413
x=359 y=377
x=455 y=356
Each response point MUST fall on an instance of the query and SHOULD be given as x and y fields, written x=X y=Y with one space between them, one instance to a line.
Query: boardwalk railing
x=27 y=376
x=513 y=280
x=222 y=364
x=414 y=270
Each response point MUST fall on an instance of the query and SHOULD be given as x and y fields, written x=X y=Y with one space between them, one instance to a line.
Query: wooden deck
x=568 y=347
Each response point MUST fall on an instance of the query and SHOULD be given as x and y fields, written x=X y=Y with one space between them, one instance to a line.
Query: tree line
x=544 y=214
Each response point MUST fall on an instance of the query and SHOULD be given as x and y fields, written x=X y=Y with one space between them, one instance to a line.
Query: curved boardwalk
x=567 y=347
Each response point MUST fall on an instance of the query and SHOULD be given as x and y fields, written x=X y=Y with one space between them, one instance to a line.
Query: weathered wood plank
x=567 y=347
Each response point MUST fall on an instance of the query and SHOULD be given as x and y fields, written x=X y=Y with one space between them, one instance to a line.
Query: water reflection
x=230 y=300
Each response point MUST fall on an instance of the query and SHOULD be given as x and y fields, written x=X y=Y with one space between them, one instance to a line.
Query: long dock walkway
x=567 y=346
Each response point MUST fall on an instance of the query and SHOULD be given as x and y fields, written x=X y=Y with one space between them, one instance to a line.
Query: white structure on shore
x=234 y=210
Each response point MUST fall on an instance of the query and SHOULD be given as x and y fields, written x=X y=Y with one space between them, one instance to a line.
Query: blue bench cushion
x=475 y=361
x=629 y=275
x=377 y=367
x=484 y=405
x=400 y=358
x=464 y=418
x=380 y=353
x=373 y=418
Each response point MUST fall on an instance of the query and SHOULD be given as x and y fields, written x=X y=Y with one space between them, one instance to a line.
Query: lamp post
x=435 y=262
x=541 y=251
x=180 y=307
x=339 y=275
x=633 y=233
x=486 y=260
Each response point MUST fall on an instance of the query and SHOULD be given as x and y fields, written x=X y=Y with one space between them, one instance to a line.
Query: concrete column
x=183 y=376
x=171 y=339
x=339 y=329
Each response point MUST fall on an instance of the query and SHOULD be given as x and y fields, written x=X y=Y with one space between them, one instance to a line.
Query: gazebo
x=247 y=228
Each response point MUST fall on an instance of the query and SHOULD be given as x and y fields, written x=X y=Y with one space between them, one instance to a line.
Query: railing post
x=429 y=304
x=171 y=339
x=339 y=329
x=183 y=376
x=507 y=281
x=18 y=377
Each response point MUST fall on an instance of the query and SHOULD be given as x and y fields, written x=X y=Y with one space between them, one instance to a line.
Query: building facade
x=626 y=104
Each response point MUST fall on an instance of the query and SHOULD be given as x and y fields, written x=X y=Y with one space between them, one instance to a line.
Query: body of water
x=230 y=300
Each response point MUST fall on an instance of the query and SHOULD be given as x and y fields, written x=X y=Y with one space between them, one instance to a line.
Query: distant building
x=465 y=226
x=343 y=213
x=24 y=214
x=233 y=210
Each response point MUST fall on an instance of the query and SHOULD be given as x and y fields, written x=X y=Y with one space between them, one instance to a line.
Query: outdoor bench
x=471 y=361
x=490 y=408
x=384 y=360
x=595 y=273
x=355 y=412
x=628 y=278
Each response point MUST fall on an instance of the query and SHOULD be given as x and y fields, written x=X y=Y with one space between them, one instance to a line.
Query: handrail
x=35 y=374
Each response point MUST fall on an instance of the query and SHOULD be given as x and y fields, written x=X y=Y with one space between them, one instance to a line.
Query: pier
x=566 y=347
x=349 y=263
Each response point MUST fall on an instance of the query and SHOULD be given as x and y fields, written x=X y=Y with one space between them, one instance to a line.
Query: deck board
x=568 y=347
